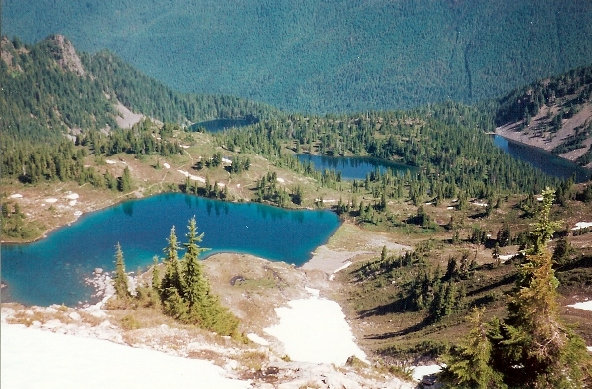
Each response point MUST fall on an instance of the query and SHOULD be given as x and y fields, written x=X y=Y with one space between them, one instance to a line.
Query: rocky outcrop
x=66 y=55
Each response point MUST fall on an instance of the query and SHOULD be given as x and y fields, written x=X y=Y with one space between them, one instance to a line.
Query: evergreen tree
x=562 y=251
x=125 y=181
x=532 y=336
x=120 y=278
x=468 y=365
x=531 y=347
x=170 y=285
x=155 y=274
x=195 y=287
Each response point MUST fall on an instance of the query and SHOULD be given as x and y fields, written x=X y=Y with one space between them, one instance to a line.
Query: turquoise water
x=547 y=162
x=353 y=168
x=52 y=270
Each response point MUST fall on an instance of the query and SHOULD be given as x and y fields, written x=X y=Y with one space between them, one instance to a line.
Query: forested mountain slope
x=554 y=114
x=48 y=89
x=336 y=55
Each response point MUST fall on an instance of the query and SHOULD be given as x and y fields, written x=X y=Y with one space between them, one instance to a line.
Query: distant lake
x=52 y=270
x=354 y=168
x=545 y=161
x=217 y=125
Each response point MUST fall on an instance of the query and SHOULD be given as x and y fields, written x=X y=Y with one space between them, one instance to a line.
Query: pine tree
x=120 y=278
x=170 y=285
x=155 y=274
x=468 y=365
x=171 y=277
x=124 y=183
x=195 y=287
x=533 y=346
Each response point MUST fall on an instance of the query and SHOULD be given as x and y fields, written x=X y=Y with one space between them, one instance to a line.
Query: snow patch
x=506 y=257
x=15 y=196
x=280 y=180
x=192 y=177
x=580 y=225
x=110 y=161
x=257 y=339
x=72 y=196
x=584 y=305
x=315 y=330
x=166 y=165
x=51 y=200
x=340 y=268
x=420 y=371
x=312 y=291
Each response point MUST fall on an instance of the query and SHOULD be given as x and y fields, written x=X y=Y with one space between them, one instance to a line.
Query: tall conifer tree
x=196 y=289
x=120 y=278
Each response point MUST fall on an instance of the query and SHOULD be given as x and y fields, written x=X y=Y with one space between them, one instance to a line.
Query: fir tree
x=532 y=336
x=468 y=365
x=195 y=287
x=170 y=285
x=125 y=181
x=531 y=347
x=120 y=278
x=155 y=274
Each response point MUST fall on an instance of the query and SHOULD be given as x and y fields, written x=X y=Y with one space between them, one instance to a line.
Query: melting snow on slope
x=315 y=330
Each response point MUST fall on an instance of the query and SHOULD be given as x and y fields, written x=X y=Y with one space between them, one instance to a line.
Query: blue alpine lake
x=53 y=270
x=353 y=168
x=548 y=163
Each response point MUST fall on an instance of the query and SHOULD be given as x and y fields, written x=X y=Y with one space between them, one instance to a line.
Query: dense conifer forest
x=330 y=56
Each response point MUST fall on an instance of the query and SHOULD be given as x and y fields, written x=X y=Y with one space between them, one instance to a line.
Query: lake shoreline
x=518 y=139
x=93 y=206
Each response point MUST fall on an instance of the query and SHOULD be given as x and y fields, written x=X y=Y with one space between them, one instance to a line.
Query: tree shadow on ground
x=405 y=331
x=397 y=306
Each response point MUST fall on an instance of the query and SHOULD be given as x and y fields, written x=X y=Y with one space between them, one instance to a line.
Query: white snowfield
x=34 y=358
x=315 y=330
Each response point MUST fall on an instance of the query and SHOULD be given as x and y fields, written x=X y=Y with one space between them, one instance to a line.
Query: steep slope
x=554 y=114
x=330 y=55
